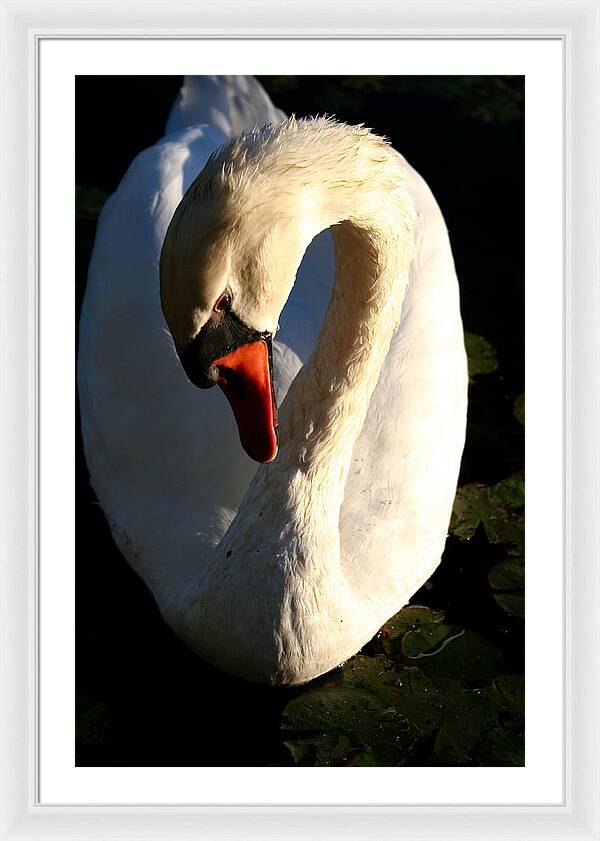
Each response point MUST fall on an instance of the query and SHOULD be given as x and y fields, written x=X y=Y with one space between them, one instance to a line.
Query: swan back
x=229 y=103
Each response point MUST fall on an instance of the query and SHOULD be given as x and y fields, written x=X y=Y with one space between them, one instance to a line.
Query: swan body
x=277 y=572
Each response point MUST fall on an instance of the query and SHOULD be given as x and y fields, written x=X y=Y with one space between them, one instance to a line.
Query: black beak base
x=222 y=334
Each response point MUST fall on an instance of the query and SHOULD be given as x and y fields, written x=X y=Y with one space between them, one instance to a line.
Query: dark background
x=142 y=697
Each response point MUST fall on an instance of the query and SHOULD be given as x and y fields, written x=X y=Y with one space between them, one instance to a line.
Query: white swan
x=276 y=573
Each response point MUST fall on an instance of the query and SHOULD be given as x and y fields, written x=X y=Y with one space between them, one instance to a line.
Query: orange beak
x=246 y=377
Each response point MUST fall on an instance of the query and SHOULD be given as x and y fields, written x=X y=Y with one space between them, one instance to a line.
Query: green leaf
x=507 y=579
x=507 y=692
x=301 y=748
x=508 y=575
x=441 y=689
x=410 y=617
x=519 y=409
x=407 y=690
x=468 y=716
x=471 y=508
x=510 y=492
x=481 y=356
x=511 y=603
x=466 y=657
x=341 y=709
x=325 y=749
x=383 y=712
x=499 y=748
x=424 y=642
x=498 y=508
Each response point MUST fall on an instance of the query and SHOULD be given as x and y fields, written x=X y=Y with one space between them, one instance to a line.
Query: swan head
x=227 y=266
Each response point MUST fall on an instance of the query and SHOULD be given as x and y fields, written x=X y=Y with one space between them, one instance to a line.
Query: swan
x=280 y=519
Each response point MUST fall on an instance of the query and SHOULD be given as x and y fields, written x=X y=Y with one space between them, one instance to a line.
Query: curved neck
x=282 y=550
x=286 y=530
x=319 y=175
x=326 y=406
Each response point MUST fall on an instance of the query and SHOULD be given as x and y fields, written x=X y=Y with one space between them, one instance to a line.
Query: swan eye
x=224 y=303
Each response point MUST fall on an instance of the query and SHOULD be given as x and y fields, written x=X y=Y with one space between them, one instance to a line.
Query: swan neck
x=327 y=404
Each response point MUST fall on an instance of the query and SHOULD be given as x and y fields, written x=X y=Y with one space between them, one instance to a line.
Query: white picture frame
x=577 y=24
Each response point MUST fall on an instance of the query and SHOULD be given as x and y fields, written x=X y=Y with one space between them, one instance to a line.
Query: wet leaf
x=342 y=709
x=471 y=508
x=481 y=356
x=435 y=684
x=468 y=657
x=511 y=603
x=324 y=749
x=507 y=692
x=411 y=617
x=507 y=575
x=425 y=642
x=507 y=579
x=498 y=508
x=499 y=748
x=468 y=716
x=380 y=710
x=407 y=690
x=509 y=492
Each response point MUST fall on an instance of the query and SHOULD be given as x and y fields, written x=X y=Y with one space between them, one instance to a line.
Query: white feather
x=279 y=574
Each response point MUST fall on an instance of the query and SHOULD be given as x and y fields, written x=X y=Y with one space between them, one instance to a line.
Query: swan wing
x=164 y=457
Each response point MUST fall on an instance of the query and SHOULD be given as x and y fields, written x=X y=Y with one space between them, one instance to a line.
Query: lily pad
x=382 y=714
x=510 y=492
x=507 y=579
x=481 y=356
x=407 y=690
x=425 y=642
x=511 y=603
x=500 y=748
x=467 y=657
x=411 y=617
x=468 y=716
x=507 y=692
x=383 y=724
x=325 y=748
x=471 y=508
x=507 y=575
x=498 y=508
x=436 y=690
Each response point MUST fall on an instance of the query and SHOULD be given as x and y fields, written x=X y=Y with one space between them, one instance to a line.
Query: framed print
x=166 y=745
